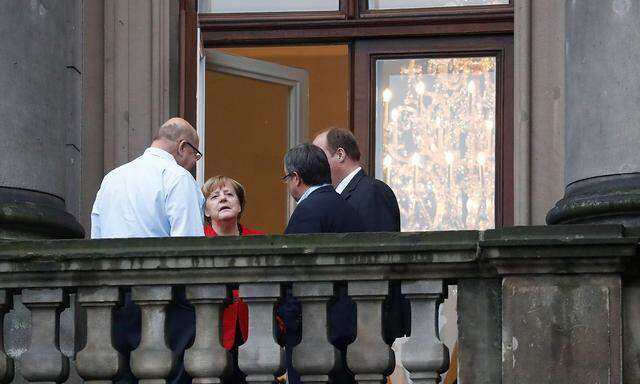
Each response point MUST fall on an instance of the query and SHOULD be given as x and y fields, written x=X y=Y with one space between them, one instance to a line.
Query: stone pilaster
x=140 y=75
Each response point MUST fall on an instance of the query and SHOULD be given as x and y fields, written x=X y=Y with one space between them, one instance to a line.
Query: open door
x=250 y=112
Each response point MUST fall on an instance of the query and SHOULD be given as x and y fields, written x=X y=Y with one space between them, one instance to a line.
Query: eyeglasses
x=197 y=153
x=288 y=175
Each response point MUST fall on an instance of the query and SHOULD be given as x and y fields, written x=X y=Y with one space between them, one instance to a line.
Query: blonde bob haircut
x=218 y=181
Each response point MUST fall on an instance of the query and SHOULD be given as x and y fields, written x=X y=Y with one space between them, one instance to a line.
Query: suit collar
x=353 y=184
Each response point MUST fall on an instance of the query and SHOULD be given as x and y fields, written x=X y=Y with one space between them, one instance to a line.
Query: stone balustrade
x=511 y=282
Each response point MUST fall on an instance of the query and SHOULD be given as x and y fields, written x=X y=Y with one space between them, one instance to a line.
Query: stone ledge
x=319 y=257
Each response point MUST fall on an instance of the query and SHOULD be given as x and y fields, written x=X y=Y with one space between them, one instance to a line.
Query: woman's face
x=222 y=204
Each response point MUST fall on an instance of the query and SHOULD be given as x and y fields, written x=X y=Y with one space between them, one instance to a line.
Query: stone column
x=39 y=78
x=602 y=166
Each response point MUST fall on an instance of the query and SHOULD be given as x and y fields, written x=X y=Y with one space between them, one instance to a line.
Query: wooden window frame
x=470 y=30
x=443 y=12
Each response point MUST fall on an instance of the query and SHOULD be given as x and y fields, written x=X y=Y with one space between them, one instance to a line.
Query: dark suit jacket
x=375 y=202
x=324 y=211
x=377 y=205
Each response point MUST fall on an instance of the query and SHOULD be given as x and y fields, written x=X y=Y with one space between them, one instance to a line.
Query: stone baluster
x=43 y=362
x=152 y=362
x=6 y=363
x=314 y=357
x=260 y=358
x=369 y=357
x=424 y=355
x=98 y=361
x=207 y=359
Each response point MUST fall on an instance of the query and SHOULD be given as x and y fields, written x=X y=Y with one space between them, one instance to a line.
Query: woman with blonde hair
x=223 y=206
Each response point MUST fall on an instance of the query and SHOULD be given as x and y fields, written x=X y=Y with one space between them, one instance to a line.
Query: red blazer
x=237 y=311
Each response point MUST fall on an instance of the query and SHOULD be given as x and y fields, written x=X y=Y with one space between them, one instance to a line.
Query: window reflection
x=247 y=6
x=435 y=122
x=407 y=4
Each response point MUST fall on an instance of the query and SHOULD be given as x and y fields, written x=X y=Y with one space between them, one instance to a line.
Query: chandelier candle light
x=437 y=147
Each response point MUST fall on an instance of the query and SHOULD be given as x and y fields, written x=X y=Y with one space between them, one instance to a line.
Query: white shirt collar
x=161 y=153
x=343 y=184
x=309 y=190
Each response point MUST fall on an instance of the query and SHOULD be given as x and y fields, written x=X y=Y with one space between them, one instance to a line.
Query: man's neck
x=347 y=171
x=165 y=145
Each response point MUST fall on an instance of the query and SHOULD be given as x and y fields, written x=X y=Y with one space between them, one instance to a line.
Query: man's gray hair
x=310 y=163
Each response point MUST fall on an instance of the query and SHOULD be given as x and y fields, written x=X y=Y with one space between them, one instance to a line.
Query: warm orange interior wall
x=328 y=67
x=246 y=138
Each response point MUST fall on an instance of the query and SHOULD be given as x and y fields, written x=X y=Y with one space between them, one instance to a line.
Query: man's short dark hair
x=343 y=138
x=310 y=163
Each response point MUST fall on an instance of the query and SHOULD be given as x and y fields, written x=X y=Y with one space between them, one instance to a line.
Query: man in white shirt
x=153 y=195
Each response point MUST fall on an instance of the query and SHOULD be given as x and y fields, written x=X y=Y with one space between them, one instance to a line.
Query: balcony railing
x=528 y=297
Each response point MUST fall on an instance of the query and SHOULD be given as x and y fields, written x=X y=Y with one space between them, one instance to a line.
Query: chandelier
x=437 y=149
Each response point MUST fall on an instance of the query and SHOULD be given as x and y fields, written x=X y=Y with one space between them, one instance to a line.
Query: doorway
x=260 y=101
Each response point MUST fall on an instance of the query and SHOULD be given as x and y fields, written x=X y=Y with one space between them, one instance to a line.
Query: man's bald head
x=176 y=129
x=180 y=139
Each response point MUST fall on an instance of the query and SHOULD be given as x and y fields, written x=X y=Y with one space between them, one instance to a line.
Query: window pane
x=246 y=6
x=435 y=129
x=404 y=4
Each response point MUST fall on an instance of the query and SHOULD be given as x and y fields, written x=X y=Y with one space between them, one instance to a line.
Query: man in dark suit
x=320 y=209
x=374 y=201
x=376 y=204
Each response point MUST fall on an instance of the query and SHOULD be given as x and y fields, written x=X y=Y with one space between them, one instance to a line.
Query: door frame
x=296 y=79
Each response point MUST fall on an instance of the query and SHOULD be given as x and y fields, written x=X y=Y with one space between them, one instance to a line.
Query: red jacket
x=237 y=311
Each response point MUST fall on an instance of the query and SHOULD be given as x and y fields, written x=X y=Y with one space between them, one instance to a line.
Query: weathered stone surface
x=631 y=321
x=206 y=360
x=369 y=357
x=152 y=361
x=479 y=331
x=6 y=363
x=98 y=360
x=424 y=355
x=314 y=357
x=39 y=115
x=260 y=358
x=561 y=329
x=43 y=361
x=601 y=162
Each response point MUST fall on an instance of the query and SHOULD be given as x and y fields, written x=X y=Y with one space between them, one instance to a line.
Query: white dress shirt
x=309 y=191
x=151 y=196
x=343 y=184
